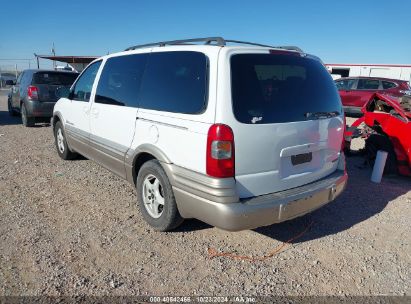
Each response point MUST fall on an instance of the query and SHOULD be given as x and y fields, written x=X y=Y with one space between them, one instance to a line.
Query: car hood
x=403 y=108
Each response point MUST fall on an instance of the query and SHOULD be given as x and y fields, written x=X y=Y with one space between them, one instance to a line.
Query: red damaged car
x=356 y=91
x=388 y=127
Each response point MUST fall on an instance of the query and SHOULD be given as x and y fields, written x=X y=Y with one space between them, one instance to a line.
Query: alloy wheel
x=153 y=196
x=60 y=140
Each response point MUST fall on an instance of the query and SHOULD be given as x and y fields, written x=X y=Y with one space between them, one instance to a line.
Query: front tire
x=61 y=143
x=156 y=198
x=27 y=121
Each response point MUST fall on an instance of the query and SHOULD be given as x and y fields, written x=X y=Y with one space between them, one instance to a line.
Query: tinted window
x=368 y=84
x=268 y=88
x=83 y=86
x=120 y=80
x=175 y=82
x=388 y=85
x=54 y=78
x=345 y=84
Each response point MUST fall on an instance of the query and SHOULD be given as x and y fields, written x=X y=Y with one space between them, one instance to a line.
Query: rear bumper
x=264 y=210
x=39 y=108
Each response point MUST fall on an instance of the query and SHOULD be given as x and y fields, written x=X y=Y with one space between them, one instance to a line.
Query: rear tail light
x=344 y=145
x=220 y=161
x=32 y=92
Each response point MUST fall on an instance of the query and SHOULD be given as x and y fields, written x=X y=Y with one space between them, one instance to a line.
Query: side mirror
x=10 y=82
x=62 y=92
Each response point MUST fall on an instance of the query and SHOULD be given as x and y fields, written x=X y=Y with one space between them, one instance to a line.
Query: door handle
x=94 y=112
x=86 y=110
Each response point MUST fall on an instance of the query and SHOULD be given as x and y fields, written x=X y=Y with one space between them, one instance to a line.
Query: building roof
x=371 y=65
x=69 y=59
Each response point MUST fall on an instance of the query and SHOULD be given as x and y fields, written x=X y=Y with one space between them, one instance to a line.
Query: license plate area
x=301 y=158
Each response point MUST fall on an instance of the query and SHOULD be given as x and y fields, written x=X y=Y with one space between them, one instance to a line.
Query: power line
x=11 y=59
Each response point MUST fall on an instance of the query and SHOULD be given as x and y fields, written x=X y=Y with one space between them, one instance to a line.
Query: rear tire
x=156 y=198
x=27 y=121
x=61 y=143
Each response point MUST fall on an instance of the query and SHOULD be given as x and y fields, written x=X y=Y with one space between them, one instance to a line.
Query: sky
x=348 y=31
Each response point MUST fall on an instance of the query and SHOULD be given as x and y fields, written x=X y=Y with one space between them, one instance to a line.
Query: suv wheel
x=156 y=197
x=61 y=143
x=27 y=121
x=12 y=112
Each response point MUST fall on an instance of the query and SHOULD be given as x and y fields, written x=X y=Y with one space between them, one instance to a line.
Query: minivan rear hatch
x=48 y=81
x=289 y=121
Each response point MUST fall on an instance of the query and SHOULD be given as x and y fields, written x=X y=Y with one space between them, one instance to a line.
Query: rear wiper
x=321 y=115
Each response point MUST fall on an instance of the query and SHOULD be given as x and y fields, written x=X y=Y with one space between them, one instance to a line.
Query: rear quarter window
x=268 y=88
x=388 y=85
x=175 y=82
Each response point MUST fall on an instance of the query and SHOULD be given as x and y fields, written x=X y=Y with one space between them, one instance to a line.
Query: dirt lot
x=72 y=227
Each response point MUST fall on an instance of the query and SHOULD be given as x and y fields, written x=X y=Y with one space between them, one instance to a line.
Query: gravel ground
x=73 y=228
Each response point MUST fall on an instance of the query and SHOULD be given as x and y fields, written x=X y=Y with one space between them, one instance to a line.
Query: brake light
x=32 y=92
x=220 y=161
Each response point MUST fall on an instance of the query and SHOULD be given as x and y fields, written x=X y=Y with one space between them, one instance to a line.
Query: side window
x=83 y=86
x=345 y=84
x=368 y=84
x=120 y=80
x=175 y=82
x=388 y=85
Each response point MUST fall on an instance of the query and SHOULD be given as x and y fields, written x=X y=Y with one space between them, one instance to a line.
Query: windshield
x=54 y=78
x=273 y=88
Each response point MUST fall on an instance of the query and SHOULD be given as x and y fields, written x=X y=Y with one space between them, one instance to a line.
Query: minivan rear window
x=54 y=78
x=277 y=88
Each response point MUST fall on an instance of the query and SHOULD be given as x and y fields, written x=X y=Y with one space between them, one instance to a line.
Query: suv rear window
x=272 y=88
x=54 y=78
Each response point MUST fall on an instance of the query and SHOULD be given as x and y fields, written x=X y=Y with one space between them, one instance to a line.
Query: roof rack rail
x=208 y=40
x=217 y=41
x=291 y=48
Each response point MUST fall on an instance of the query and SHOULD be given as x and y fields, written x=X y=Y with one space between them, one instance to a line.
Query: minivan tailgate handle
x=301 y=149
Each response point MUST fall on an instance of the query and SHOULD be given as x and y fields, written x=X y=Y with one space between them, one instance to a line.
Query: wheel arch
x=141 y=155
x=56 y=117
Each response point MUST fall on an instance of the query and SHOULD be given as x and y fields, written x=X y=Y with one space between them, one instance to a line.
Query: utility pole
x=16 y=70
x=37 y=58
x=53 y=50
